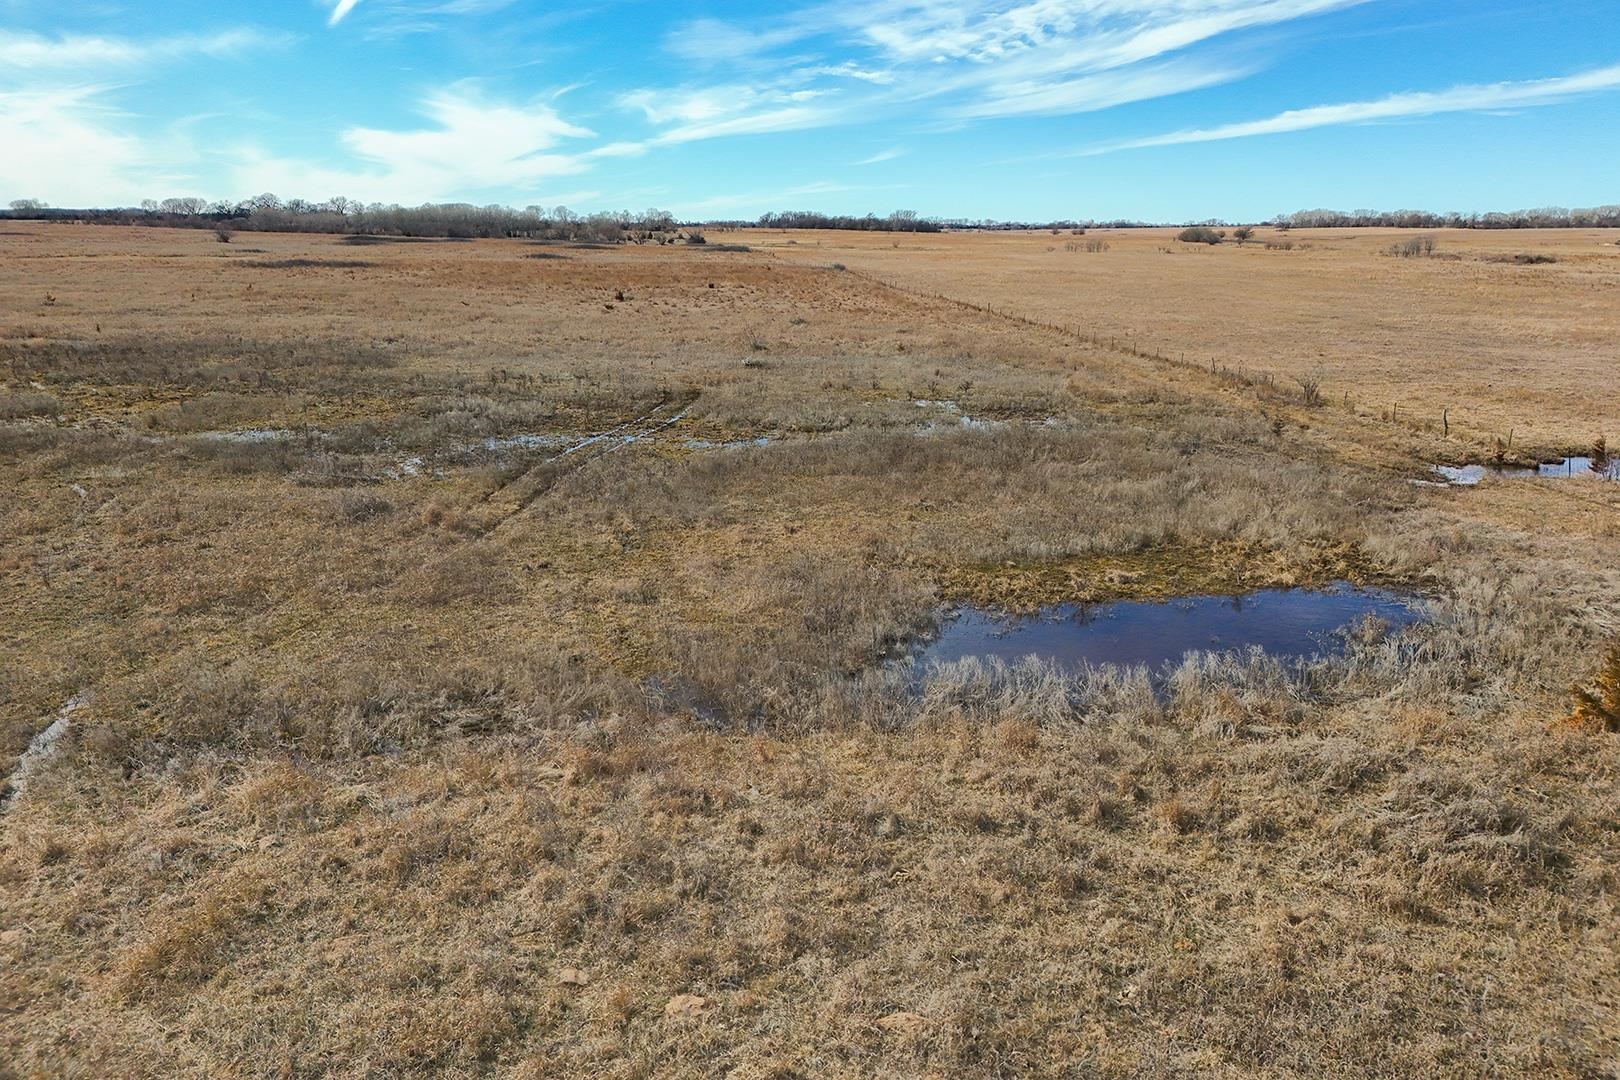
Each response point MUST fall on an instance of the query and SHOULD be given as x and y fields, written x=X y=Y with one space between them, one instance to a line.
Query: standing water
x=1286 y=623
x=1469 y=475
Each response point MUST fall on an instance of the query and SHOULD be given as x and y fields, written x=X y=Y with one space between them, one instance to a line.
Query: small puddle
x=955 y=419
x=724 y=444
x=1287 y=623
x=527 y=441
x=1469 y=475
x=246 y=435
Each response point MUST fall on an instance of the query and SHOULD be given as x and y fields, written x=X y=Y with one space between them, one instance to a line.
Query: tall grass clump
x=1597 y=706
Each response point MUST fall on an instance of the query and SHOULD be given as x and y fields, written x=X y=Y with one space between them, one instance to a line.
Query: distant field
x=1504 y=345
x=429 y=658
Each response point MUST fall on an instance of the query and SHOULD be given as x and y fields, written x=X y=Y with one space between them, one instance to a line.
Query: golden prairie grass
x=419 y=744
x=1498 y=332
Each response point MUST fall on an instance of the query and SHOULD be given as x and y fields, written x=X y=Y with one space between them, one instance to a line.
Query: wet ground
x=1469 y=475
x=1286 y=623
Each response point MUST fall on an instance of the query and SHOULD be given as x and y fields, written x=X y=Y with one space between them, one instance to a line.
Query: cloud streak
x=43 y=56
x=950 y=61
x=1474 y=98
x=1090 y=93
x=340 y=10
x=882 y=156
x=470 y=143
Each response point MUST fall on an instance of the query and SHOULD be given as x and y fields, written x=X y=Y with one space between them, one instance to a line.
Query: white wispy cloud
x=44 y=56
x=69 y=146
x=63 y=134
x=339 y=10
x=882 y=155
x=689 y=106
x=688 y=114
x=471 y=143
x=1474 y=98
x=789 y=118
x=1089 y=93
x=961 y=60
x=715 y=41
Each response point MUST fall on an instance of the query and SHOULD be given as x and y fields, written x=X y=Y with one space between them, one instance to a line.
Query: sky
x=1153 y=110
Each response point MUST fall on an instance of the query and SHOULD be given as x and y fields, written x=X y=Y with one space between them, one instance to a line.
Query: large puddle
x=1286 y=623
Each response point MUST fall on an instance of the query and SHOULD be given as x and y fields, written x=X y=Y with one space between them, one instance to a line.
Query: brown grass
x=1504 y=347
x=431 y=733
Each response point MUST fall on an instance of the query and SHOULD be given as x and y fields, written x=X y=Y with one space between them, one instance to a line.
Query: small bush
x=1417 y=247
x=1201 y=234
x=1242 y=235
x=17 y=404
x=1310 y=389
x=362 y=506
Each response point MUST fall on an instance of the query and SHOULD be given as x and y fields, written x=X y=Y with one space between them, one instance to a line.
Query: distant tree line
x=1547 y=217
x=899 y=221
x=910 y=221
x=268 y=213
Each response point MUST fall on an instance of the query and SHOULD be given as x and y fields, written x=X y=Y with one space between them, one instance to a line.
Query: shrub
x=361 y=506
x=1413 y=248
x=1242 y=234
x=17 y=404
x=1201 y=234
x=1310 y=388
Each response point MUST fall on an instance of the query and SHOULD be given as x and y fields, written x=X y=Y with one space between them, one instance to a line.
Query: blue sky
x=1150 y=109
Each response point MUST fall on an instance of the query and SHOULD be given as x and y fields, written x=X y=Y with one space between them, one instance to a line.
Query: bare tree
x=188 y=205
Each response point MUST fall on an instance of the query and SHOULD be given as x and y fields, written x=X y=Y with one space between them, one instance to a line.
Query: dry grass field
x=406 y=717
x=1481 y=328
